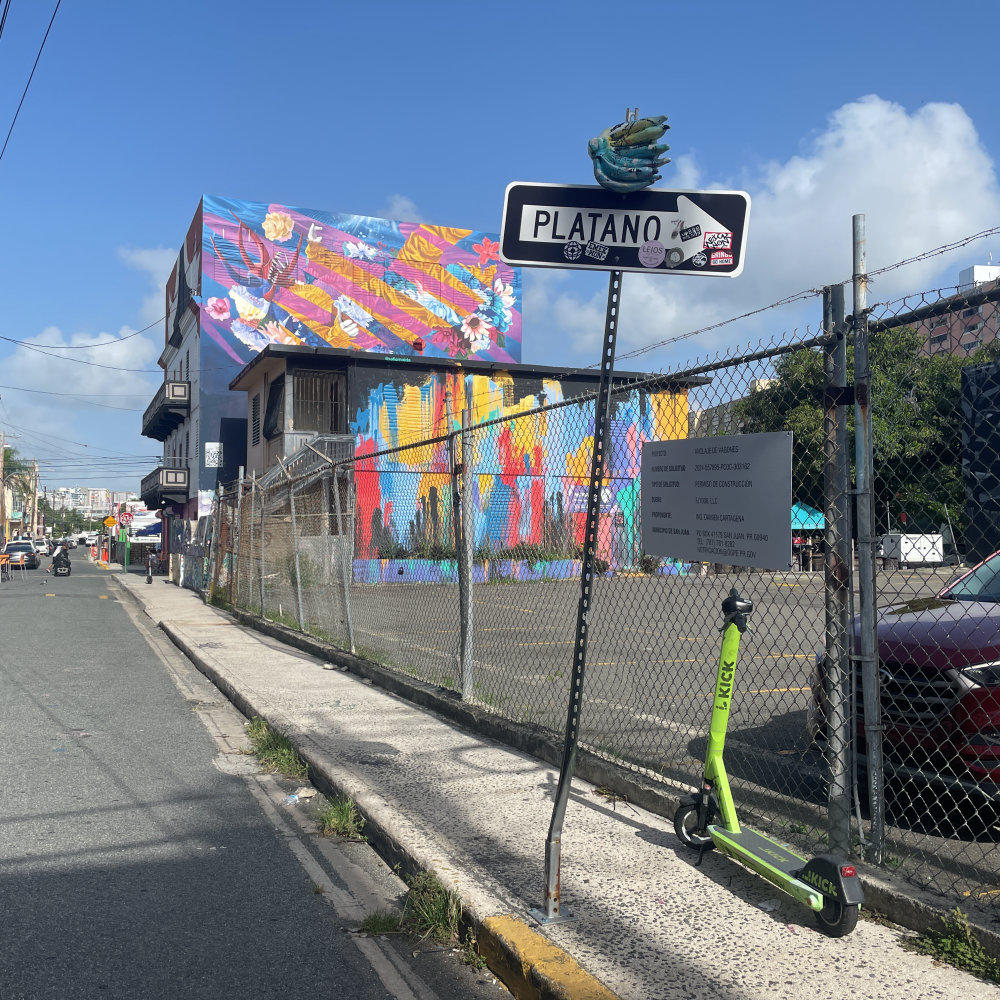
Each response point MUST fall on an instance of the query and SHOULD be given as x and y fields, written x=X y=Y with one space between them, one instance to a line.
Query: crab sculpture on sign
x=627 y=156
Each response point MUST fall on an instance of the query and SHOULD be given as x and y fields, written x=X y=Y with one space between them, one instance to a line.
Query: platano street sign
x=585 y=227
x=109 y=522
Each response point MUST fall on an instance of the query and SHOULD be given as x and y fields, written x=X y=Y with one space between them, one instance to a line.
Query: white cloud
x=157 y=264
x=922 y=179
x=106 y=421
x=402 y=208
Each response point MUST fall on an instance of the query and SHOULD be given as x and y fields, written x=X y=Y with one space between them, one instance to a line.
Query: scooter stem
x=735 y=611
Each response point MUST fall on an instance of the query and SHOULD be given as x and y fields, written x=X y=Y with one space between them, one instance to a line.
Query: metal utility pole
x=3 y=490
x=34 y=499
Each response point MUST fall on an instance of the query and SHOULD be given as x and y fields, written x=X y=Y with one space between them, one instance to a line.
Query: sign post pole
x=553 y=843
x=615 y=227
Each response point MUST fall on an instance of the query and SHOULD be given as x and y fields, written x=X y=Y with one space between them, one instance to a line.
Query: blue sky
x=427 y=112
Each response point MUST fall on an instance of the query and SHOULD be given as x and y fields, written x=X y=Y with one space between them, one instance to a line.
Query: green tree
x=916 y=425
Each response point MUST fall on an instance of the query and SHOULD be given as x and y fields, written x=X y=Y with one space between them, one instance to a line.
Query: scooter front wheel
x=686 y=828
x=837 y=919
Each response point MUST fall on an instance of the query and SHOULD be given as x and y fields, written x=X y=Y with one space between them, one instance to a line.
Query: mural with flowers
x=273 y=274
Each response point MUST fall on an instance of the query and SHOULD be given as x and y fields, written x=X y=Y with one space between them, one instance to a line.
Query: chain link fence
x=456 y=560
x=935 y=401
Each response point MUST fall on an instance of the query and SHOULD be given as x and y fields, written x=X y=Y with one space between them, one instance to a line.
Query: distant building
x=966 y=321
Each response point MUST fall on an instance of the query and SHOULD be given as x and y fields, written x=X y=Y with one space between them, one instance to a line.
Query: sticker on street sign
x=579 y=226
x=719 y=499
x=109 y=522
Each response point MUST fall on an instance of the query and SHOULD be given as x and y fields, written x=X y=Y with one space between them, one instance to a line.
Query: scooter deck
x=777 y=864
x=767 y=850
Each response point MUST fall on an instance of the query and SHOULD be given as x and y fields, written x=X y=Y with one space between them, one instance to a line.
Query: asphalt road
x=141 y=855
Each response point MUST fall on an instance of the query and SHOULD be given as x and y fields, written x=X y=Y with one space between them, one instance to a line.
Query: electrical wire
x=85 y=347
x=80 y=398
x=3 y=16
x=30 y=77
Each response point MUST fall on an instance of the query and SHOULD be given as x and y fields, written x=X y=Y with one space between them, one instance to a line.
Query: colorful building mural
x=273 y=274
x=530 y=473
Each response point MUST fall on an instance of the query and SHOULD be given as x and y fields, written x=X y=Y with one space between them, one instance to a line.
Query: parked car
x=41 y=546
x=90 y=539
x=939 y=671
x=22 y=554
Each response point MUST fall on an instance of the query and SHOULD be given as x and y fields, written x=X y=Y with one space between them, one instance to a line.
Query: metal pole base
x=541 y=917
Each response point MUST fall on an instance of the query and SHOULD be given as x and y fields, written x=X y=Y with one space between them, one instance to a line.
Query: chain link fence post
x=864 y=464
x=295 y=545
x=467 y=540
x=838 y=570
x=251 y=564
x=346 y=554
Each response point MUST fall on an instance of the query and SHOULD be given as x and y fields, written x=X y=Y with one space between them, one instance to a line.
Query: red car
x=939 y=670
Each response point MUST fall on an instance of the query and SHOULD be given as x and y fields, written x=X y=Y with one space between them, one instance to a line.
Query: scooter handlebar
x=736 y=610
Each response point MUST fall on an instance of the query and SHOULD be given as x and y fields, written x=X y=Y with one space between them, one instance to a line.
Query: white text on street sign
x=651 y=231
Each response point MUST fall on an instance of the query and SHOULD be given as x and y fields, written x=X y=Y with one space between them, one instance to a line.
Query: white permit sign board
x=719 y=499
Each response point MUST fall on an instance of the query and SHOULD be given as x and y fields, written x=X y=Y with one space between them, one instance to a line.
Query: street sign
x=125 y=518
x=651 y=231
x=109 y=522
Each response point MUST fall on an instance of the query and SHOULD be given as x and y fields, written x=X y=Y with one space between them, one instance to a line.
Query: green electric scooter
x=827 y=884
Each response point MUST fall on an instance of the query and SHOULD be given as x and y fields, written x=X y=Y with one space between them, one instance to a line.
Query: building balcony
x=168 y=410
x=164 y=485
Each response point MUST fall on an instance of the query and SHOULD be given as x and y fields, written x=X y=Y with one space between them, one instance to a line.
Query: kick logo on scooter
x=817 y=881
x=724 y=689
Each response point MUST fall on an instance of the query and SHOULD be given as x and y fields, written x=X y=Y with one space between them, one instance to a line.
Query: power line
x=30 y=77
x=86 y=347
x=3 y=16
x=79 y=398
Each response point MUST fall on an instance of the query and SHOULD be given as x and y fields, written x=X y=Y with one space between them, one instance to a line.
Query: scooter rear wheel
x=686 y=828
x=837 y=919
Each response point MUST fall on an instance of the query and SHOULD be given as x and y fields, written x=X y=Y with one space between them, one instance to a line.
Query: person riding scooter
x=60 y=559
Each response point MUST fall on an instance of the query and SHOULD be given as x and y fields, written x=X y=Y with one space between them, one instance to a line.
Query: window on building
x=255 y=420
x=318 y=402
x=939 y=339
x=966 y=313
x=275 y=411
x=975 y=328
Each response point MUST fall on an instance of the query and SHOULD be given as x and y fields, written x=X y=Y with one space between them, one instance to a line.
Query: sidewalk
x=647 y=922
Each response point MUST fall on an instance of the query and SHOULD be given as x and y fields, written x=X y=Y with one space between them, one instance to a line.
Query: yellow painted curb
x=532 y=967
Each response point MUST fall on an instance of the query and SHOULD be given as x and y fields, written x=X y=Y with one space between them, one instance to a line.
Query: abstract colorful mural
x=273 y=274
x=530 y=473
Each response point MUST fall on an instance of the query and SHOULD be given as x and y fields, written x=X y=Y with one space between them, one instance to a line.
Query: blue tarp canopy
x=805 y=518
x=150 y=529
